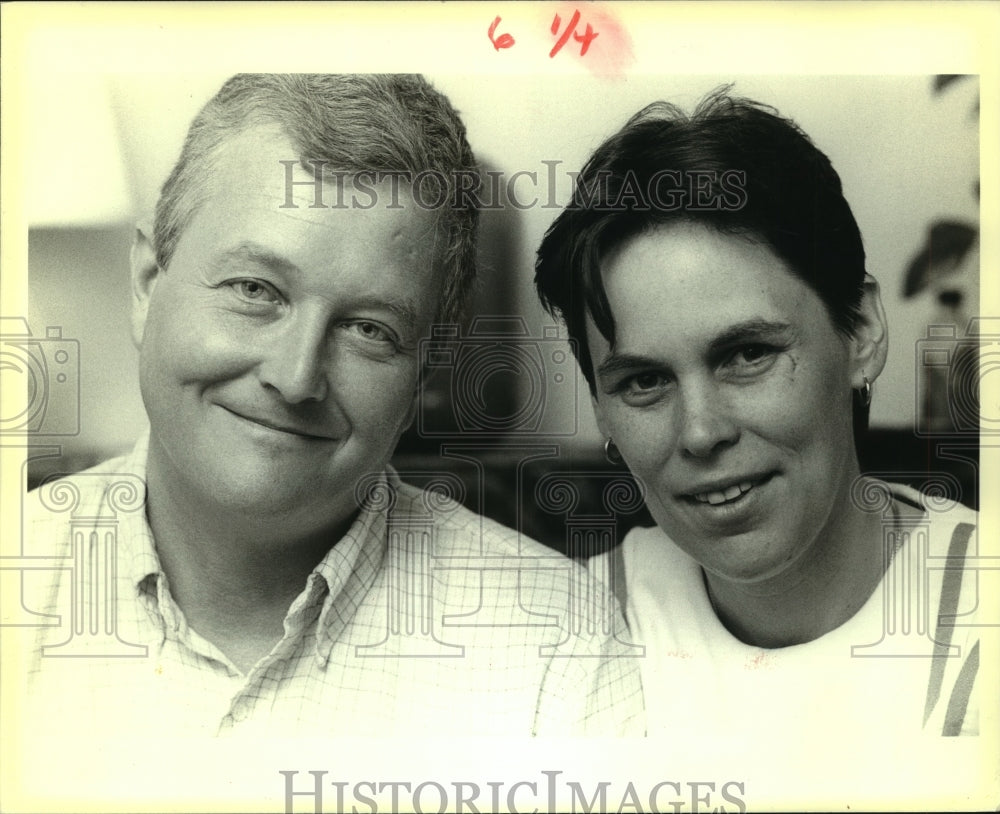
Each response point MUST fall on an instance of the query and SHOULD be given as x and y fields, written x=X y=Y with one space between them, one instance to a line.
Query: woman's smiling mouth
x=727 y=492
x=733 y=492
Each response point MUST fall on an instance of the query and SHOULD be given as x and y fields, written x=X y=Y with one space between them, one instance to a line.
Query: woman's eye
x=752 y=354
x=644 y=382
x=642 y=389
x=750 y=360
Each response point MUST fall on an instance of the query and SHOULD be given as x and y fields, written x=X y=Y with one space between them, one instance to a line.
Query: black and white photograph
x=530 y=407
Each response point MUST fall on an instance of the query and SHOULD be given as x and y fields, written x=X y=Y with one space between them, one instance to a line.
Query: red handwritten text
x=503 y=41
x=585 y=39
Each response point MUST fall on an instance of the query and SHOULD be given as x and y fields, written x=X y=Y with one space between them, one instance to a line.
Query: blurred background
x=906 y=148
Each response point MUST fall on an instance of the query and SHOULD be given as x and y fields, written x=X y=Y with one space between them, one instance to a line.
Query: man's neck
x=827 y=587
x=234 y=577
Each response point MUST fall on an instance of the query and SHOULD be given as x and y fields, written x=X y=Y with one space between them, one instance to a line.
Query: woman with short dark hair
x=713 y=278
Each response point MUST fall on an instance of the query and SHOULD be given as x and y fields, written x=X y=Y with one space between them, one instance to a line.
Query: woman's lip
x=726 y=491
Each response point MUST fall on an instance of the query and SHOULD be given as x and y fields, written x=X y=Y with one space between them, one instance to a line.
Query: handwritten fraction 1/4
x=503 y=40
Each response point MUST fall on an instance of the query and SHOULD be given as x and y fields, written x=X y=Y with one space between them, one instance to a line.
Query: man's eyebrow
x=259 y=255
x=756 y=330
x=403 y=309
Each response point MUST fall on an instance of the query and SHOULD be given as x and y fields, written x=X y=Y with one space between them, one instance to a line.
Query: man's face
x=728 y=393
x=278 y=352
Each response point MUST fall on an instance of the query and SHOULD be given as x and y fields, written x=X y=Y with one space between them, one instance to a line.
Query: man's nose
x=707 y=423
x=296 y=361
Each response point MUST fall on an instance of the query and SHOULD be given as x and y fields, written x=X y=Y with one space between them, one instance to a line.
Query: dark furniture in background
x=565 y=500
x=578 y=503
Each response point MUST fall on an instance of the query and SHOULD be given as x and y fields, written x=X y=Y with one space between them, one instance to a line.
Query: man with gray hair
x=271 y=573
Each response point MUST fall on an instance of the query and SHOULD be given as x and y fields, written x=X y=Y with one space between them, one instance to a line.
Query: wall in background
x=906 y=157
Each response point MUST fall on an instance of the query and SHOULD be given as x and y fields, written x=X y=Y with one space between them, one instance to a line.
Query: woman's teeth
x=715 y=498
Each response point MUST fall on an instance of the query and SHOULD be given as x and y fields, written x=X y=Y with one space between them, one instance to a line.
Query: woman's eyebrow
x=751 y=330
x=616 y=362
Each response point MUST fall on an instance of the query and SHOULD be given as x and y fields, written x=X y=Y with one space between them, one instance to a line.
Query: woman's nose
x=706 y=422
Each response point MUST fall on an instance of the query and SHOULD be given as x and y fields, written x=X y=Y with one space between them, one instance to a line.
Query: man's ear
x=870 y=342
x=145 y=273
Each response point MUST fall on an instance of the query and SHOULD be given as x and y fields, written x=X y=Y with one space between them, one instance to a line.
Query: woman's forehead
x=689 y=284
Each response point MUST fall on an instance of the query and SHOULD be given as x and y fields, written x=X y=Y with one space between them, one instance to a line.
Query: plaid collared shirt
x=425 y=618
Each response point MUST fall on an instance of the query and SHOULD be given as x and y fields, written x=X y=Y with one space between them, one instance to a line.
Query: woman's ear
x=870 y=341
x=599 y=415
x=145 y=273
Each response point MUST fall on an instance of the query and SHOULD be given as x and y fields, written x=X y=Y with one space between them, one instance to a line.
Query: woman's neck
x=825 y=588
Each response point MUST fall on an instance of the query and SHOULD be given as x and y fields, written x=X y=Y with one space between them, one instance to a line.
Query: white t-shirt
x=884 y=670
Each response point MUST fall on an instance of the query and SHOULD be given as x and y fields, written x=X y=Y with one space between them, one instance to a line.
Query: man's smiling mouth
x=279 y=427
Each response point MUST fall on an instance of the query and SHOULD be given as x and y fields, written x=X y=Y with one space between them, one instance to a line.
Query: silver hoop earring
x=866 y=392
x=611 y=452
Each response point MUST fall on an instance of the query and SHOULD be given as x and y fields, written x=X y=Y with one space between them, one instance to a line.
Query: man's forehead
x=263 y=160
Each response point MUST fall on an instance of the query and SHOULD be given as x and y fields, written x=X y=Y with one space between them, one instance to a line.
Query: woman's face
x=728 y=393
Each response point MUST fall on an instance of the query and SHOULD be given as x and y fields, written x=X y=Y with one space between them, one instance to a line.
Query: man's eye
x=255 y=290
x=373 y=331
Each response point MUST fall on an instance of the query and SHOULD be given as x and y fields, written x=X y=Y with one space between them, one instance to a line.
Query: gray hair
x=355 y=123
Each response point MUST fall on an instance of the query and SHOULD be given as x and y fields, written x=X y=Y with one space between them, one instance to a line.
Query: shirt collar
x=349 y=568
x=137 y=558
x=351 y=565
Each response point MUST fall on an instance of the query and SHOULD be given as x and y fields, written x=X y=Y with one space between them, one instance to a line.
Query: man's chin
x=280 y=509
x=279 y=487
